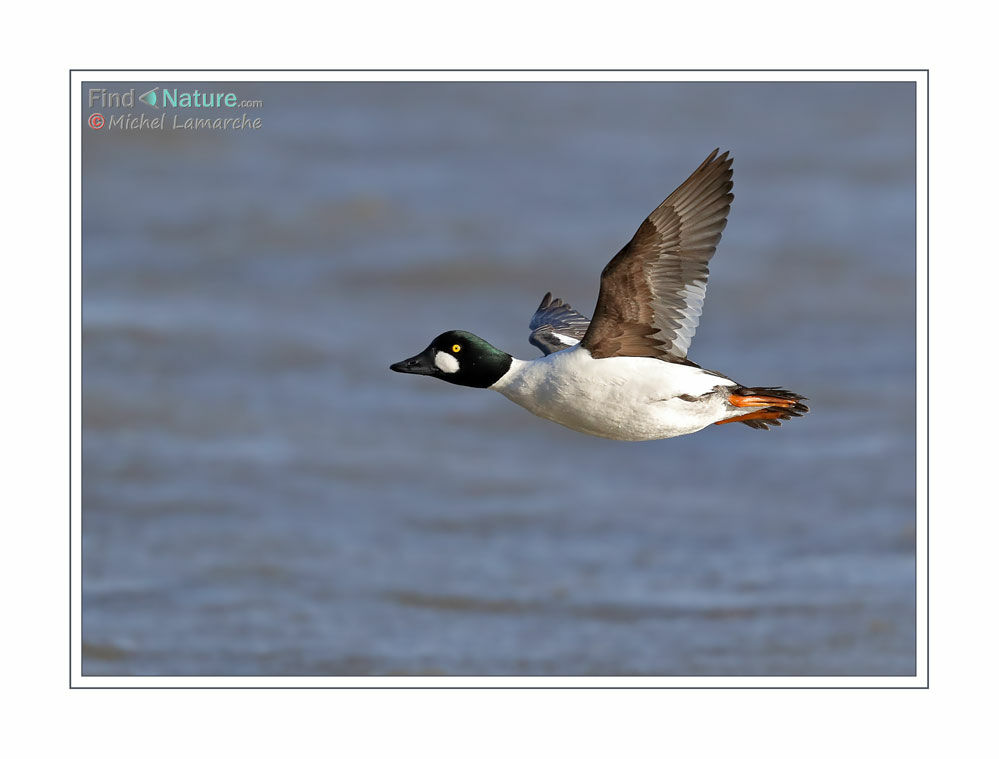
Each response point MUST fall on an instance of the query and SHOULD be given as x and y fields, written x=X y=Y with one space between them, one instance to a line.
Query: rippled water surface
x=261 y=496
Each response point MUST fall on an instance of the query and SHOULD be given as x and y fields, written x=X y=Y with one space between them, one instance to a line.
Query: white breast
x=622 y=398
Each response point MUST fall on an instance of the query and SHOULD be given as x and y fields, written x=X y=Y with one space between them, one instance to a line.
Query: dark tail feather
x=784 y=405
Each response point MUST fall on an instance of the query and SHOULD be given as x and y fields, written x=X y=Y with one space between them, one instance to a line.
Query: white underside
x=622 y=398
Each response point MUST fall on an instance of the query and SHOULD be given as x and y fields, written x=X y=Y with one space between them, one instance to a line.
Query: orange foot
x=743 y=401
x=755 y=415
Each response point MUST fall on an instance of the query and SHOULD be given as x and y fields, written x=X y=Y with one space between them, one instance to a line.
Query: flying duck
x=625 y=374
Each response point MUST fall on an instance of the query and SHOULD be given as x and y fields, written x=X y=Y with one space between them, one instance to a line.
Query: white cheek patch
x=446 y=362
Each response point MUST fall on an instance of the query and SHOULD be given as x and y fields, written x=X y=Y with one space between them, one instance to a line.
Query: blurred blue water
x=262 y=496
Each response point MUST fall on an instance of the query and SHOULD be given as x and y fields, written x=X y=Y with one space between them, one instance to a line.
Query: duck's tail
x=764 y=406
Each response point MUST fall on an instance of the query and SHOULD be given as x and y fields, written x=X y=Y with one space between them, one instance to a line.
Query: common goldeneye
x=625 y=374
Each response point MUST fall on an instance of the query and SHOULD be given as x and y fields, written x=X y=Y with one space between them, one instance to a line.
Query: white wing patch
x=565 y=338
x=446 y=362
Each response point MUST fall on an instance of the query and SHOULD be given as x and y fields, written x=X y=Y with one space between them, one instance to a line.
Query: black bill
x=422 y=363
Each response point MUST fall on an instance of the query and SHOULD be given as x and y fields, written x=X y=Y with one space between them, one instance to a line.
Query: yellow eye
x=455 y=348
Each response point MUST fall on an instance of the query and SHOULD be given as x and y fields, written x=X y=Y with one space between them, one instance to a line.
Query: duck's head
x=460 y=358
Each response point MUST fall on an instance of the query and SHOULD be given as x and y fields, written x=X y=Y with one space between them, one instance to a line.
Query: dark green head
x=460 y=358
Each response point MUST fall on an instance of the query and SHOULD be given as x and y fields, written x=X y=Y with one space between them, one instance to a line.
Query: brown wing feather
x=652 y=291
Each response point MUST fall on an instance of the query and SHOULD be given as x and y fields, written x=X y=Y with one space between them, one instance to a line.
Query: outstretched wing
x=651 y=292
x=556 y=325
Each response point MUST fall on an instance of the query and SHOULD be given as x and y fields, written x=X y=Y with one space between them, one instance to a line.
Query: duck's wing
x=556 y=325
x=652 y=291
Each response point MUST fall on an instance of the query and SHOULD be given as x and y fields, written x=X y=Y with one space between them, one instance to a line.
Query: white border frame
x=76 y=124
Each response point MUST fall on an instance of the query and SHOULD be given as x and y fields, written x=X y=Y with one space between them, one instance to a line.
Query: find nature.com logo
x=174 y=105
